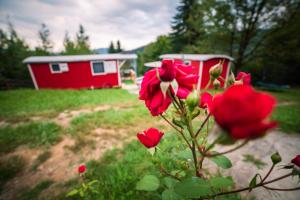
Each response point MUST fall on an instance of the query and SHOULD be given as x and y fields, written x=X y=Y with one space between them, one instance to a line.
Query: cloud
x=134 y=22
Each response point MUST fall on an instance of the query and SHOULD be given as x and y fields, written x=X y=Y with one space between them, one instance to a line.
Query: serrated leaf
x=148 y=183
x=170 y=194
x=222 y=161
x=193 y=187
x=221 y=182
x=170 y=182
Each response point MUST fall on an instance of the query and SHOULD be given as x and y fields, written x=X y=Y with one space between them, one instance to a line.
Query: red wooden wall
x=79 y=76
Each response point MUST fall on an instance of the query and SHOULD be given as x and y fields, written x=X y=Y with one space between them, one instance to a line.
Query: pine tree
x=119 y=49
x=82 y=41
x=111 y=48
x=69 y=45
x=187 y=26
x=46 y=44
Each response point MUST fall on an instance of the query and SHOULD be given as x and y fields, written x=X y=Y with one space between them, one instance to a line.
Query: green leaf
x=193 y=187
x=72 y=193
x=221 y=182
x=148 y=183
x=178 y=173
x=170 y=194
x=185 y=154
x=229 y=197
x=178 y=123
x=170 y=182
x=222 y=161
x=252 y=183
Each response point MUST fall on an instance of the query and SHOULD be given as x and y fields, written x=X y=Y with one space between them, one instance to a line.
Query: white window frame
x=92 y=69
x=54 y=72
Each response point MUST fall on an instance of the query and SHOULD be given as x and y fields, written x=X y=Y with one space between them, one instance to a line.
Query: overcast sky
x=133 y=22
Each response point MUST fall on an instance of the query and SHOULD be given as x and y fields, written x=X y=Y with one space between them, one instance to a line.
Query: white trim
x=54 y=72
x=227 y=73
x=202 y=57
x=92 y=69
x=32 y=77
x=77 y=58
x=200 y=75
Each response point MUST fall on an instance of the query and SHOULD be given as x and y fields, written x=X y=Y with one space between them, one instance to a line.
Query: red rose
x=81 y=169
x=156 y=82
x=205 y=100
x=296 y=160
x=243 y=112
x=150 y=138
x=244 y=77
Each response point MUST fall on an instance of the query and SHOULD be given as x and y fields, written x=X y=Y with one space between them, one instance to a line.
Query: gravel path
x=288 y=145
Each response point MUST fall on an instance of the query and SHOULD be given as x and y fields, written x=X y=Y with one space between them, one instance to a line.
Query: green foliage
x=148 y=183
x=32 y=134
x=222 y=161
x=46 y=44
x=193 y=187
x=9 y=168
x=33 y=193
x=85 y=190
x=43 y=157
x=221 y=182
x=255 y=161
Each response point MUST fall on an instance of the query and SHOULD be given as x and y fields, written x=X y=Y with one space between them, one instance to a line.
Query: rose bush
x=241 y=111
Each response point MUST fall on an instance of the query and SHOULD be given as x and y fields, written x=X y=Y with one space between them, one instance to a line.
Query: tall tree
x=111 y=48
x=187 y=27
x=119 y=48
x=82 y=41
x=46 y=44
x=69 y=45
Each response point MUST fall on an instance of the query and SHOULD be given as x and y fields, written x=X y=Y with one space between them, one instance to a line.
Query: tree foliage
x=46 y=45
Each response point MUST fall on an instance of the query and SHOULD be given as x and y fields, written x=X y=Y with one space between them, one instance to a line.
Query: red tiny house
x=77 y=72
x=202 y=64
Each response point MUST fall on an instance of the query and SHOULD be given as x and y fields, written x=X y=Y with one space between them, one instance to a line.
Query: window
x=97 y=68
x=187 y=62
x=55 y=68
x=59 y=67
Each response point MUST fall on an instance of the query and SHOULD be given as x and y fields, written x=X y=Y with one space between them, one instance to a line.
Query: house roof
x=202 y=57
x=76 y=58
x=153 y=64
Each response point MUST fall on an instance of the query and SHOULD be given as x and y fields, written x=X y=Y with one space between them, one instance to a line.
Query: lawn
x=118 y=170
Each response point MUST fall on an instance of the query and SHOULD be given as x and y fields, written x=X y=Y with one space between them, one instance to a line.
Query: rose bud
x=243 y=112
x=216 y=84
x=276 y=158
x=245 y=78
x=150 y=138
x=296 y=160
x=192 y=100
x=205 y=100
x=215 y=71
x=81 y=169
x=231 y=79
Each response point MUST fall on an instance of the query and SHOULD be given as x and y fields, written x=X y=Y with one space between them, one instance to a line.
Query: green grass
x=30 y=194
x=43 y=157
x=33 y=134
x=288 y=110
x=9 y=168
x=19 y=104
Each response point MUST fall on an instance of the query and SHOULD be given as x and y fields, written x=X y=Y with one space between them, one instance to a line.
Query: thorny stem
x=228 y=151
x=248 y=188
x=202 y=125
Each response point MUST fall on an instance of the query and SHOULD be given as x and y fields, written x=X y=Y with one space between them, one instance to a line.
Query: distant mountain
x=101 y=50
x=139 y=49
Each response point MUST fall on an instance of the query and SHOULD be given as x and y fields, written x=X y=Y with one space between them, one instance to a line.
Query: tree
x=46 y=44
x=69 y=45
x=82 y=42
x=119 y=49
x=111 y=48
x=187 y=27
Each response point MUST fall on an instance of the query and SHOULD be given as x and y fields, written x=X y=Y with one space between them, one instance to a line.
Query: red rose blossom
x=150 y=138
x=296 y=160
x=205 y=100
x=171 y=75
x=243 y=112
x=244 y=77
x=81 y=169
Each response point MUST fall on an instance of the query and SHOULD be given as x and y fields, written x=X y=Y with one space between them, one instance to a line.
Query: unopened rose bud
x=276 y=158
x=216 y=84
x=231 y=79
x=215 y=71
x=192 y=100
